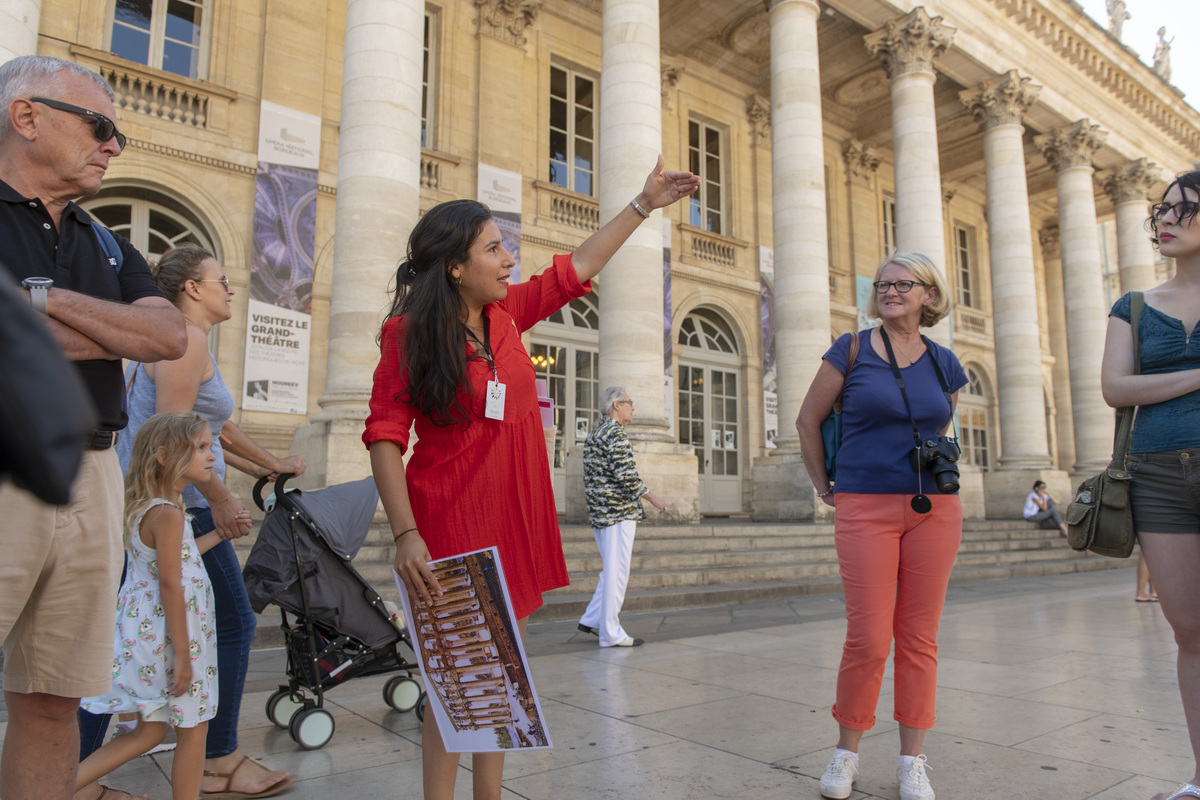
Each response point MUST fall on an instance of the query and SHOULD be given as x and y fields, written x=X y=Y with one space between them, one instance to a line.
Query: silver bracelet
x=827 y=492
x=638 y=208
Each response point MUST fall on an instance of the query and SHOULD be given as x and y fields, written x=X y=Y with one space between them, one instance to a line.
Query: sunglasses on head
x=103 y=127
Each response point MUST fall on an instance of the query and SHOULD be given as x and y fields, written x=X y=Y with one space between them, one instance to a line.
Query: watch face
x=37 y=283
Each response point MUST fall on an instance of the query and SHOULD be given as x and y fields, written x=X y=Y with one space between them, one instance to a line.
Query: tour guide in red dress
x=452 y=363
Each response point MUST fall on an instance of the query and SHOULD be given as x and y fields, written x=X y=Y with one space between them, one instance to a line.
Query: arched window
x=706 y=330
x=565 y=349
x=709 y=394
x=972 y=421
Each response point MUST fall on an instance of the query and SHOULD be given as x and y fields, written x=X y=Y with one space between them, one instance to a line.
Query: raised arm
x=661 y=190
x=148 y=329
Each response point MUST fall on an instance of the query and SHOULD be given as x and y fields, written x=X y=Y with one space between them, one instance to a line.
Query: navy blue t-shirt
x=877 y=435
x=1166 y=347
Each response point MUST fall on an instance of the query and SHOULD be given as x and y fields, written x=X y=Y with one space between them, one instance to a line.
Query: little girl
x=164 y=650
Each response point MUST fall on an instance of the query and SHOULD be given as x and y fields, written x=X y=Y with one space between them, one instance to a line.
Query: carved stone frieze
x=861 y=161
x=910 y=43
x=1130 y=182
x=758 y=110
x=1002 y=100
x=1051 y=244
x=670 y=78
x=507 y=20
x=1071 y=145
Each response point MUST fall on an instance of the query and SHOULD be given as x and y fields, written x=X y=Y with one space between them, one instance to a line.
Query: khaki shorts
x=59 y=567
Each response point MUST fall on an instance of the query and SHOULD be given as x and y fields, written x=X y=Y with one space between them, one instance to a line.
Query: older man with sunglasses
x=59 y=573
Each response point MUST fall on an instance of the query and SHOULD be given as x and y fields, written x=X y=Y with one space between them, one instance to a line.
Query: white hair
x=609 y=399
x=26 y=76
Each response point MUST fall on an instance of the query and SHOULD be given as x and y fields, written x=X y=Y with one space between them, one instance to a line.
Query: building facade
x=1015 y=142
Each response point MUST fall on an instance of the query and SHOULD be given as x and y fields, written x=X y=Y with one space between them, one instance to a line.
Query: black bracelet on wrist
x=396 y=538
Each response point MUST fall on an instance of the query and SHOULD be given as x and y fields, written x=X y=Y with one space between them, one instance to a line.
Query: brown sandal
x=105 y=790
x=270 y=791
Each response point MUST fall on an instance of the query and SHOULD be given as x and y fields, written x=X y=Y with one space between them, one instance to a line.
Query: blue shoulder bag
x=831 y=426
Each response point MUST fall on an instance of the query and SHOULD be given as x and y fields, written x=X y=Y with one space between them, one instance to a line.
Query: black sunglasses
x=102 y=126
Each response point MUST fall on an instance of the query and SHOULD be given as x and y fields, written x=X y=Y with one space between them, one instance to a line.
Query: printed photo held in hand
x=476 y=675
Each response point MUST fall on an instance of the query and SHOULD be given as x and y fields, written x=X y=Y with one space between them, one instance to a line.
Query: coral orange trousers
x=895 y=566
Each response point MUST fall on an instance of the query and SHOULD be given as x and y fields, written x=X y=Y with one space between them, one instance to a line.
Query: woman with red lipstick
x=1164 y=455
x=452 y=364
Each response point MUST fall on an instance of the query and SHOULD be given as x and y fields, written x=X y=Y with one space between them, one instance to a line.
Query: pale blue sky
x=1182 y=21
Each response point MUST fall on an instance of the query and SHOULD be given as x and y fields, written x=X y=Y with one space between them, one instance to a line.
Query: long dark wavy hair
x=1186 y=181
x=434 y=338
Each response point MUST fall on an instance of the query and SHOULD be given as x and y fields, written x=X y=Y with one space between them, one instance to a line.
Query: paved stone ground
x=1056 y=687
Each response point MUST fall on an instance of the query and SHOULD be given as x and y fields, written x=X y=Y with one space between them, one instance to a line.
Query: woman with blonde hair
x=896 y=544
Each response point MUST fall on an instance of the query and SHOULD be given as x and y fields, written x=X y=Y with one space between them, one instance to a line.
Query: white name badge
x=494 y=409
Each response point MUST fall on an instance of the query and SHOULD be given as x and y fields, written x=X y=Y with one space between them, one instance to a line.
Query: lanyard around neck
x=887 y=343
x=484 y=349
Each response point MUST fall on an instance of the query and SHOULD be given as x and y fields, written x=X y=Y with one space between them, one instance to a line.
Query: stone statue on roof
x=1162 y=55
x=1116 y=17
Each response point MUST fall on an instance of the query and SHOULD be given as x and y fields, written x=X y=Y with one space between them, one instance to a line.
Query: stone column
x=19 y=28
x=907 y=46
x=862 y=161
x=631 y=304
x=379 y=158
x=1064 y=426
x=1069 y=150
x=781 y=486
x=1128 y=185
x=999 y=104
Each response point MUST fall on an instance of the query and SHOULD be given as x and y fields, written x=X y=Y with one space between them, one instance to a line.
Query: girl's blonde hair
x=171 y=437
x=925 y=272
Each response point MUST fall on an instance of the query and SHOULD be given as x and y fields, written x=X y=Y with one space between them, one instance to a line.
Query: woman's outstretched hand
x=664 y=188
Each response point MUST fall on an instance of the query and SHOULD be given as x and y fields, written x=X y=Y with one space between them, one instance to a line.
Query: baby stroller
x=340 y=628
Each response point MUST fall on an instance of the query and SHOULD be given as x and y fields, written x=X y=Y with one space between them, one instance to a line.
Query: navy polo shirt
x=31 y=247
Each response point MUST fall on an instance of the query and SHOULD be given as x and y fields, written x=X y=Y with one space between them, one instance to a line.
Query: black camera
x=941 y=457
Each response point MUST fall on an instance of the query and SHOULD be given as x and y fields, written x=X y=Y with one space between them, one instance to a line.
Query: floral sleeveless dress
x=142 y=649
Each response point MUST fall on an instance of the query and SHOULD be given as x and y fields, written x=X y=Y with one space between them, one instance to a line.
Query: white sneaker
x=914 y=783
x=840 y=772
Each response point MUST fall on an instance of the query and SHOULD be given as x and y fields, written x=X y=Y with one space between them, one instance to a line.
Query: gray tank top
x=214 y=403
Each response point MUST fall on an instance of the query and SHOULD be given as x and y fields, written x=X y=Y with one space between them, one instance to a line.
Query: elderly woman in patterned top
x=613 y=490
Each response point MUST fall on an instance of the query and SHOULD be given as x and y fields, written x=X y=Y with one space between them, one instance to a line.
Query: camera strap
x=920 y=501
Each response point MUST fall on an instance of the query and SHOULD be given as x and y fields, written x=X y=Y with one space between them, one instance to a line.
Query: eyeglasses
x=1183 y=210
x=624 y=403
x=903 y=287
x=103 y=127
x=223 y=281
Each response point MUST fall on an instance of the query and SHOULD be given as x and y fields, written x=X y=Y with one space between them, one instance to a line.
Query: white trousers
x=603 y=612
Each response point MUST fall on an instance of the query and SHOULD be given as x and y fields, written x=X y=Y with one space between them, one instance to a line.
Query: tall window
x=889 y=225
x=964 y=264
x=572 y=130
x=427 y=83
x=565 y=352
x=705 y=158
x=170 y=35
x=972 y=422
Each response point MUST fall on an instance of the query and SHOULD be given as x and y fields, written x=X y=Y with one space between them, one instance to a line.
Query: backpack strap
x=108 y=243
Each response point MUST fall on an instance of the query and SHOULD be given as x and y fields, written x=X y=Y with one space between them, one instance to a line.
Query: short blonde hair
x=923 y=271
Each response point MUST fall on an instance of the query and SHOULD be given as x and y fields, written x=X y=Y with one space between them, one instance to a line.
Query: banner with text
x=766 y=271
x=281 y=267
x=500 y=190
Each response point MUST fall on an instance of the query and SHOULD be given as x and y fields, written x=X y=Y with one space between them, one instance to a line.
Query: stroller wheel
x=421 y=701
x=282 y=706
x=402 y=693
x=311 y=728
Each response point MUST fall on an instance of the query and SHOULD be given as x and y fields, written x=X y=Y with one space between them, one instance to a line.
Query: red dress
x=486 y=482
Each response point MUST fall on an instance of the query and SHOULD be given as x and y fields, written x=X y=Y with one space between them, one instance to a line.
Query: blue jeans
x=235 y=631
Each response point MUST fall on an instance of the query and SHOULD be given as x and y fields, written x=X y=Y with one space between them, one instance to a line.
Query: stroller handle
x=283 y=478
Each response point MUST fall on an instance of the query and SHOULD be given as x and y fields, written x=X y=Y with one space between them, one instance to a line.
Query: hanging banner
x=281 y=266
x=766 y=272
x=668 y=381
x=500 y=190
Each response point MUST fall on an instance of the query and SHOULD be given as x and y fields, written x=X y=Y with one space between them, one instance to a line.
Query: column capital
x=507 y=20
x=758 y=110
x=771 y=5
x=1130 y=182
x=1051 y=242
x=910 y=43
x=1071 y=145
x=1002 y=100
x=861 y=161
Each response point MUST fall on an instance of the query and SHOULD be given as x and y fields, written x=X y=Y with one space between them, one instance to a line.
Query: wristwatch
x=39 y=290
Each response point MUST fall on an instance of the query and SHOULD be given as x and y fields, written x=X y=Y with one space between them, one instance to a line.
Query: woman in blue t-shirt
x=897 y=536
x=1165 y=452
